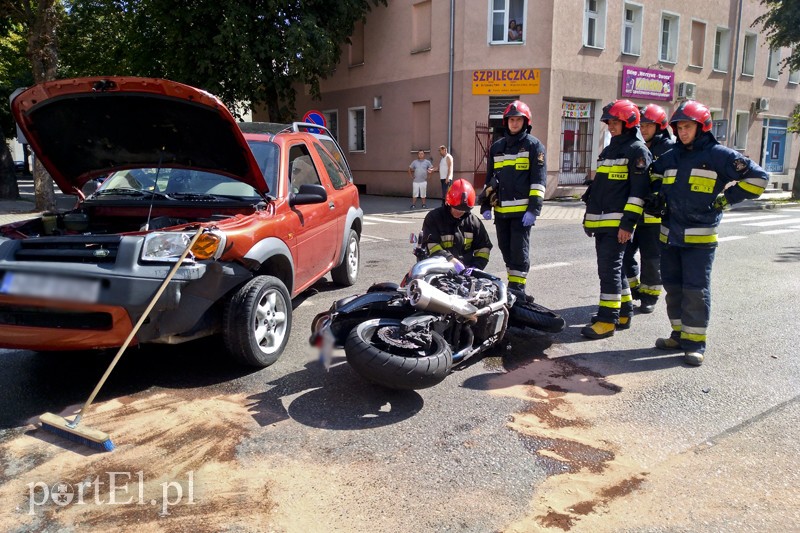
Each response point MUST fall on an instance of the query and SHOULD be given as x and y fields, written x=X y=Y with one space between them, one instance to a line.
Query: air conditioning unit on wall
x=762 y=104
x=686 y=90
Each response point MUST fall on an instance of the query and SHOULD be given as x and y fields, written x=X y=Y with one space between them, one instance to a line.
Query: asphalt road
x=554 y=433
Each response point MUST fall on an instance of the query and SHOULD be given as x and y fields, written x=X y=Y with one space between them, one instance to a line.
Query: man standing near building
x=647 y=289
x=515 y=183
x=695 y=189
x=445 y=171
x=614 y=203
x=418 y=170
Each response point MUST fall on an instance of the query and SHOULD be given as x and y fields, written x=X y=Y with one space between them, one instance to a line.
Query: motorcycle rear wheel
x=393 y=366
x=533 y=315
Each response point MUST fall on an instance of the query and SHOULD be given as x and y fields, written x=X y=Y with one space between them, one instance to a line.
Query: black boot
x=518 y=290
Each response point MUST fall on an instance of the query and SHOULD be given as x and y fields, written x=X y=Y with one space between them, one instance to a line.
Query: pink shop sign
x=647 y=84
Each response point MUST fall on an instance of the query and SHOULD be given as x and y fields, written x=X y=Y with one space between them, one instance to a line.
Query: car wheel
x=257 y=321
x=346 y=273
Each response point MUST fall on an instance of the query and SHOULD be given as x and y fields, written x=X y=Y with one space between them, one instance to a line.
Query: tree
x=781 y=23
x=39 y=20
x=243 y=52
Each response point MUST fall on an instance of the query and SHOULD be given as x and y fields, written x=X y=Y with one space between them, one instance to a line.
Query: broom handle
x=137 y=326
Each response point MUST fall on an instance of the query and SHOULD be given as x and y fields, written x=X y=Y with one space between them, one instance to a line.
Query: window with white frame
x=698 y=43
x=773 y=68
x=749 y=55
x=632 y=29
x=507 y=18
x=668 y=46
x=357 y=129
x=332 y=122
x=794 y=77
x=722 y=47
x=594 y=24
x=740 y=133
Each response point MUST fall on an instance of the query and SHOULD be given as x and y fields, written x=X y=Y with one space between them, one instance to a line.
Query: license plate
x=50 y=287
x=326 y=344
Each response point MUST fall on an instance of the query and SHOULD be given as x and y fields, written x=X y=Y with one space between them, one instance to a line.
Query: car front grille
x=55 y=318
x=91 y=249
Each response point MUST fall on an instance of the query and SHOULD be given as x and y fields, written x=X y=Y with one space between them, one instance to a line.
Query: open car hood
x=86 y=127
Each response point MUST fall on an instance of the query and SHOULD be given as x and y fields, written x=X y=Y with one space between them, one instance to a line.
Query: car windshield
x=266 y=154
x=174 y=182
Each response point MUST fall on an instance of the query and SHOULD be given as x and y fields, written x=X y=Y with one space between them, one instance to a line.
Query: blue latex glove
x=528 y=219
x=459 y=266
x=487 y=215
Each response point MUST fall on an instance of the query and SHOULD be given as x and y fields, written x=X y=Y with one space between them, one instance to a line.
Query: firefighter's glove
x=655 y=205
x=720 y=203
x=528 y=219
x=488 y=195
x=487 y=215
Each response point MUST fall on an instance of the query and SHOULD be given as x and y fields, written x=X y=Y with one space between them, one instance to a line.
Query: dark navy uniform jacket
x=615 y=198
x=693 y=178
x=465 y=238
x=661 y=144
x=516 y=170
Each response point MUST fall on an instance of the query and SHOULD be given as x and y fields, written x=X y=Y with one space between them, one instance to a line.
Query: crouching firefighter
x=515 y=185
x=614 y=204
x=454 y=233
x=696 y=173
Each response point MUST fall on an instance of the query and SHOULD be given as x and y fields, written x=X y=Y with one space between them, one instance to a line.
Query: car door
x=337 y=179
x=317 y=239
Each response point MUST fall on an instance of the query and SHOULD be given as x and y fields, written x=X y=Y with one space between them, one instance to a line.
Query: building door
x=774 y=145
x=576 y=142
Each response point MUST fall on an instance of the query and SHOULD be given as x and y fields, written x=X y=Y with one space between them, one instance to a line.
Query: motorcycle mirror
x=412 y=239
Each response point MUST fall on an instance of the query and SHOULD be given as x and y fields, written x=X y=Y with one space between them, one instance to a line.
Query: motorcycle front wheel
x=379 y=351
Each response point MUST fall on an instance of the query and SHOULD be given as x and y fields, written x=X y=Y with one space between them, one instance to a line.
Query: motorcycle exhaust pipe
x=426 y=297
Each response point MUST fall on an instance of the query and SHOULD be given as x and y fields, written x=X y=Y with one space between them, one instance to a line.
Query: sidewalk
x=559 y=209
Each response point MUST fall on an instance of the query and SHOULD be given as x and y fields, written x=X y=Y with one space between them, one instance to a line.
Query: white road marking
x=731 y=238
x=778 y=231
x=773 y=223
x=372 y=238
x=549 y=265
x=751 y=219
x=373 y=220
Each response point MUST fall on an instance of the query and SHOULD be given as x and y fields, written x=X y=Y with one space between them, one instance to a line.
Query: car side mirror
x=308 y=194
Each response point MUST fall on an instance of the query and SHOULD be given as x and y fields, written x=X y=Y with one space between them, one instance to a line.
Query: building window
x=421 y=126
x=698 y=43
x=740 y=134
x=632 y=29
x=594 y=24
x=332 y=122
x=421 y=27
x=357 y=129
x=773 y=68
x=722 y=46
x=357 y=45
x=794 y=77
x=749 y=55
x=668 y=52
x=507 y=21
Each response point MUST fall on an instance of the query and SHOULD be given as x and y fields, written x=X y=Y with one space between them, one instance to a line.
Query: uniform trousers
x=615 y=295
x=686 y=273
x=645 y=241
x=514 y=241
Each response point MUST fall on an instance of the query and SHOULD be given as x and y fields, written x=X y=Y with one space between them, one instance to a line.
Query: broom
x=93 y=437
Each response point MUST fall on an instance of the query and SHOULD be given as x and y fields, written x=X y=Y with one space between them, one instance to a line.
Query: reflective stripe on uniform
x=651 y=219
x=482 y=252
x=434 y=247
x=675 y=323
x=612 y=301
x=663 y=234
x=606 y=220
x=693 y=333
x=652 y=290
x=537 y=190
x=700 y=235
x=635 y=205
x=633 y=282
x=615 y=169
x=467 y=240
x=753 y=185
x=701 y=180
x=669 y=177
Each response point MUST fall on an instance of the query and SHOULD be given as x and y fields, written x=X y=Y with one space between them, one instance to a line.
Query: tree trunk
x=796 y=182
x=43 y=54
x=9 y=190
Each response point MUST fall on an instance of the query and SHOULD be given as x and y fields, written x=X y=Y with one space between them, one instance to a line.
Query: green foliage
x=781 y=24
x=15 y=72
x=250 y=51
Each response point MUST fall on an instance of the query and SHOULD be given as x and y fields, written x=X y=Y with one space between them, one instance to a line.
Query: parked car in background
x=277 y=208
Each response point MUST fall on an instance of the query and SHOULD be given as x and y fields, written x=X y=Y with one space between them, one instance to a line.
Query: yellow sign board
x=506 y=81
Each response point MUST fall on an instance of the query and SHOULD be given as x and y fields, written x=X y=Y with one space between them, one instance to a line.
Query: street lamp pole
x=732 y=100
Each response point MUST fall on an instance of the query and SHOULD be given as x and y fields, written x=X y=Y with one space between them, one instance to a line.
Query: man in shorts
x=418 y=170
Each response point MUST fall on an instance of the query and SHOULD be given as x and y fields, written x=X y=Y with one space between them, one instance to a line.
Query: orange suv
x=276 y=204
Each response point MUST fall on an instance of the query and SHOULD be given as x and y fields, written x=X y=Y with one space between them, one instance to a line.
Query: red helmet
x=695 y=112
x=623 y=110
x=654 y=114
x=517 y=108
x=461 y=195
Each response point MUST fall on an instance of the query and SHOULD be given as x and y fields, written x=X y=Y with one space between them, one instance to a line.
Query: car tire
x=346 y=273
x=257 y=321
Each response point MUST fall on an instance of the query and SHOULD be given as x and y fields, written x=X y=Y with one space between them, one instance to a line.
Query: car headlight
x=168 y=246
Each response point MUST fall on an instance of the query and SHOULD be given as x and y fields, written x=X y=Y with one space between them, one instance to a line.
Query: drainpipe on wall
x=732 y=103
x=450 y=84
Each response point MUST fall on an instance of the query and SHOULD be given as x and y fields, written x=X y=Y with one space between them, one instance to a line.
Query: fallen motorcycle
x=413 y=335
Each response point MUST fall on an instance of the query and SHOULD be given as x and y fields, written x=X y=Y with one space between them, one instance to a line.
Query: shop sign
x=648 y=84
x=576 y=109
x=506 y=81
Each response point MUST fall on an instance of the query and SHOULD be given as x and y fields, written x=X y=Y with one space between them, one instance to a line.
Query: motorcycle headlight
x=168 y=246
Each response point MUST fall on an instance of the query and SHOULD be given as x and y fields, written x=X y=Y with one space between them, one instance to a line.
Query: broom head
x=93 y=438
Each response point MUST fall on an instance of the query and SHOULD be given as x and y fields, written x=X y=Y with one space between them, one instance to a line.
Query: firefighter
x=515 y=184
x=454 y=233
x=654 y=127
x=614 y=204
x=701 y=178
